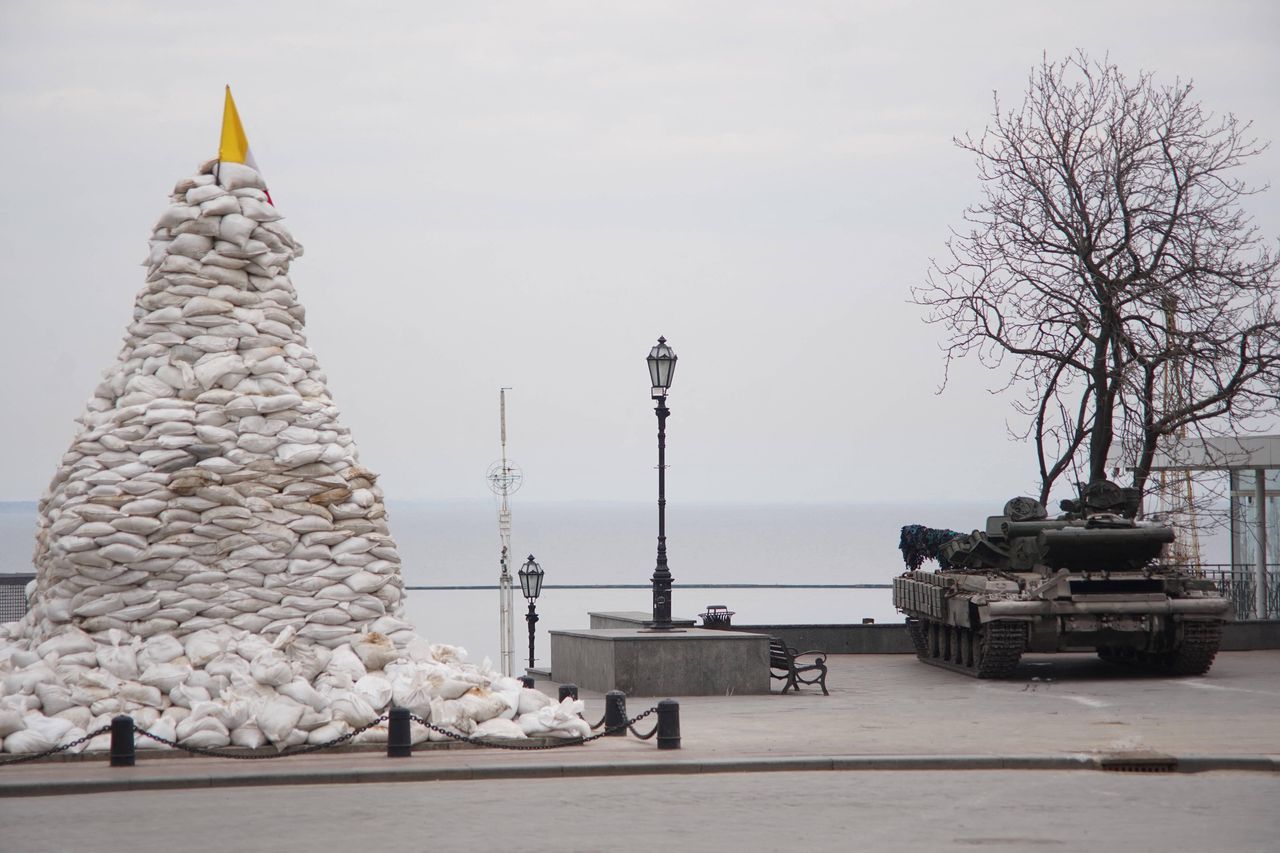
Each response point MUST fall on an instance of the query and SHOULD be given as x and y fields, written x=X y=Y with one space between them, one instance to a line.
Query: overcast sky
x=528 y=194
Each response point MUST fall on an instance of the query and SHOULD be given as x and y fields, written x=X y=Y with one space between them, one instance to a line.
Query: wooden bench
x=783 y=666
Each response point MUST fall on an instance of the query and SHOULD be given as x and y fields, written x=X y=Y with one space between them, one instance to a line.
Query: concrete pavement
x=884 y=712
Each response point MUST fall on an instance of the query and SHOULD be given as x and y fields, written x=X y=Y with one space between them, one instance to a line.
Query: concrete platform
x=688 y=662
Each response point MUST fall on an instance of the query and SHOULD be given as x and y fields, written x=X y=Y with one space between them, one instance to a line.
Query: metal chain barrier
x=72 y=744
x=216 y=753
x=575 y=741
x=653 y=731
x=131 y=728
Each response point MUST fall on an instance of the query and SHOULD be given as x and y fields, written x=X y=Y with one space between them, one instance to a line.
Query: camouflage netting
x=919 y=543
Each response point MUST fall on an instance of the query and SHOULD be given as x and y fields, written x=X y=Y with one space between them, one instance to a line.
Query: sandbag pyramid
x=211 y=557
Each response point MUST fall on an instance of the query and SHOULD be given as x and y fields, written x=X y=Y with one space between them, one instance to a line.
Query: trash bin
x=717 y=616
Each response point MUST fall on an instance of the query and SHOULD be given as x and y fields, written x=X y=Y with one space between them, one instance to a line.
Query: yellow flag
x=234 y=147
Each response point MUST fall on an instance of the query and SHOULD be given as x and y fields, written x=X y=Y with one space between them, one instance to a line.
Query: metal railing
x=1238 y=583
x=13 y=596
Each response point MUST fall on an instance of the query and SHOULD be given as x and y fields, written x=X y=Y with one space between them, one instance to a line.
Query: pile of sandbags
x=227 y=687
x=212 y=497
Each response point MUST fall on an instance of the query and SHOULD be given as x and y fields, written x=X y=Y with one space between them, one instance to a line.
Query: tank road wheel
x=1195 y=653
x=998 y=647
x=935 y=640
x=967 y=643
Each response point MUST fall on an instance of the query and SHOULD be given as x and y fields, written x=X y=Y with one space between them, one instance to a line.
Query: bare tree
x=1111 y=272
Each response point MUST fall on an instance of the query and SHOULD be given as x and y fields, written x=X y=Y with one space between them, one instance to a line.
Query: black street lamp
x=662 y=367
x=531 y=585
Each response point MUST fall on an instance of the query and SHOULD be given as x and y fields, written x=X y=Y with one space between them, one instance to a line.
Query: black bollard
x=568 y=690
x=668 y=724
x=615 y=713
x=398 y=743
x=527 y=681
x=122 y=749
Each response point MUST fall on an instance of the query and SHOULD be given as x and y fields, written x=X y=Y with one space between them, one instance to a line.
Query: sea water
x=597 y=543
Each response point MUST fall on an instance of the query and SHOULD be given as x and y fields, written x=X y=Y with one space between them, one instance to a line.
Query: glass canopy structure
x=1252 y=464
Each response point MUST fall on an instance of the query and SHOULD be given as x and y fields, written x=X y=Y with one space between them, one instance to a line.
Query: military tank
x=1089 y=580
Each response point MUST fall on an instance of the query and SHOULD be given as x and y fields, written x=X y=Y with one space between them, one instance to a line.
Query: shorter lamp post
x=531 y=585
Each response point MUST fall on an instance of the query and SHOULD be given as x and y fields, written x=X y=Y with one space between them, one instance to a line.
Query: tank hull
x=981 y=622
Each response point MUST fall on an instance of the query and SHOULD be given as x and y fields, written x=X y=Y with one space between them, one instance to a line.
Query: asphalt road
x=915 y=811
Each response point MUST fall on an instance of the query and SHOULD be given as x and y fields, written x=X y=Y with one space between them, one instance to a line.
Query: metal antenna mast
x=504 y=479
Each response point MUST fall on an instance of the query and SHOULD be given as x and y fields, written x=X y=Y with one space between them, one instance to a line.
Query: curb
x=138 y=779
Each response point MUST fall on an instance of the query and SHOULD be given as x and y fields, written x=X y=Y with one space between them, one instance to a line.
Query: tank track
x=1192 y=656
x=993 y=651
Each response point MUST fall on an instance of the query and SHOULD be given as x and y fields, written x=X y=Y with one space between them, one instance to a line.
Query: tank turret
x=1090 y=579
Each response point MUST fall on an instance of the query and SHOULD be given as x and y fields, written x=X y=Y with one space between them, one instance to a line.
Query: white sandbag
x=375 y=650
x=451 y=655
x=509 y=690
x=327 y=732
x=22 y=658
x=500 y=728
x=165 y=727
x=79 y=716
x=236 y=176
x=344 y=661
x=278 y=718
x=185 y=695
x=165 y=676
x=271 y=667
x=352 y=708
x=249 y=647
x=301 y=691
x=259 y=211
x=54 y=697
x=198 y=723
x=20 y=703
x=11 y=721
x=414 y=693
x=205 y=732
x=41 y=733
x=449 y=688
x=376 y=689
x=69 y=642
x=532 y=700
x=307 y=660
x=203 y=193
x=479 y=704
x=236 y=229
x=248 y=736
x=204 y=646
x=176 y=215
x=228 y=664
x=220 y=206
x=25 y=680
x=142 y=694
x=160 y=649
x=312 y=719
x=120 y=660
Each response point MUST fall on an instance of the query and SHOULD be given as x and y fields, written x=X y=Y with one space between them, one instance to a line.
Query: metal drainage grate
x=1139 y=762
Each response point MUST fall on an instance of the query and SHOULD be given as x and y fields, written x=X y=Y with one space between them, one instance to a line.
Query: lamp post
x=662 y=367
x=531 y=585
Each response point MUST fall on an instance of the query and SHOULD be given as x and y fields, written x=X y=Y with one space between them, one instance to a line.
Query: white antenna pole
x=506 y=626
